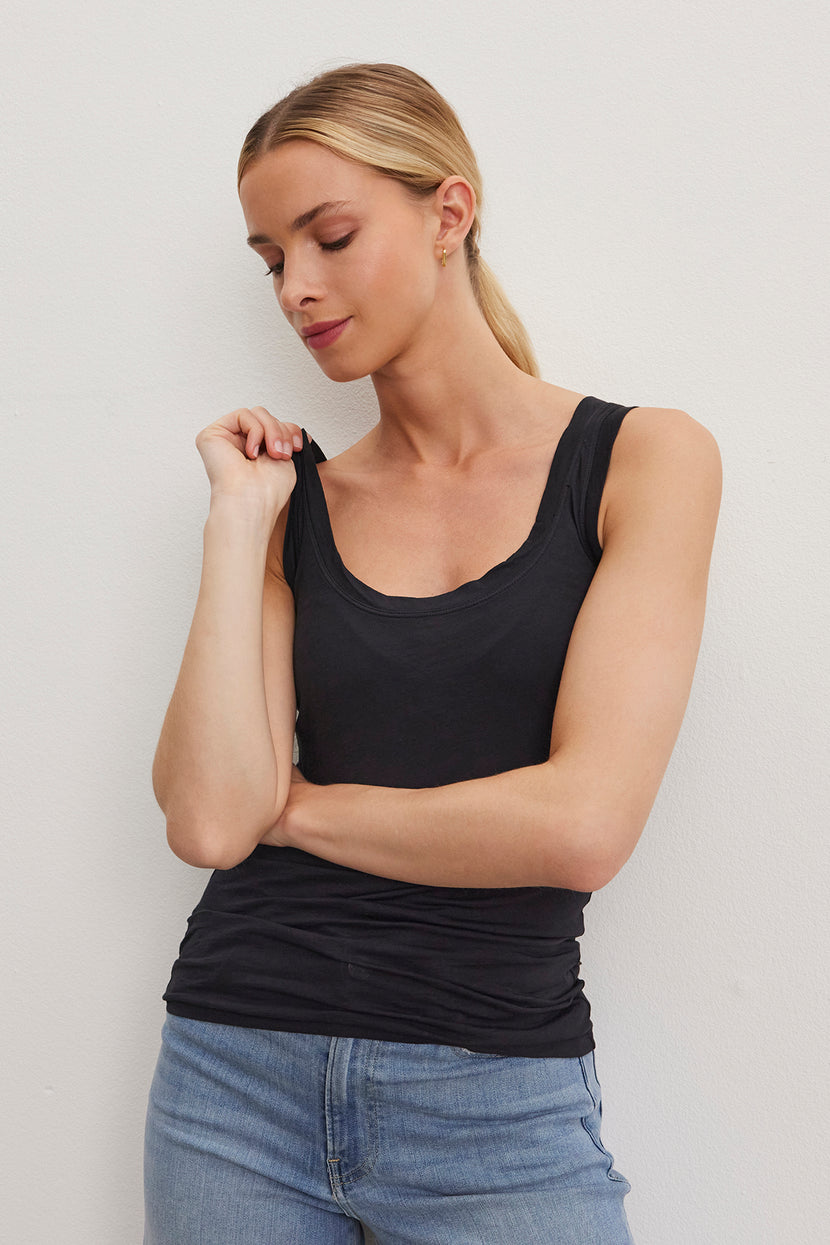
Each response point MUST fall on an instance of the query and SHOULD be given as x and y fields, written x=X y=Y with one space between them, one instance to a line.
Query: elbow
x=594 y=853
x=208 y=841
x=204 y=848
x=591 y=875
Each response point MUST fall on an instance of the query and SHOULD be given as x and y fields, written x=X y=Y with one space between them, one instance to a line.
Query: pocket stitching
x=611 y=1173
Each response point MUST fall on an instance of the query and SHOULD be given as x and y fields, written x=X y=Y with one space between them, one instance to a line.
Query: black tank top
x=414 y=692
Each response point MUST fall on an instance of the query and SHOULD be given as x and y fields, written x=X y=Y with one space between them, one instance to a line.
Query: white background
x=656 y=196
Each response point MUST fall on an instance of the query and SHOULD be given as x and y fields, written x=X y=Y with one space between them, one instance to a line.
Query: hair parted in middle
x=395 y=122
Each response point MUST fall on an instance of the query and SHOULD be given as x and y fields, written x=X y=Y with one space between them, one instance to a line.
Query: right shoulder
x=286 y=535
x=304 y=460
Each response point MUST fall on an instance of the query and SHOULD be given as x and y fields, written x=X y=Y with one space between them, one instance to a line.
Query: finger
x=234 y=426
x=254 y=424
x=295 y=434
x=256 y=427
x=243 y=426
x=254 y=437
x=281 y=437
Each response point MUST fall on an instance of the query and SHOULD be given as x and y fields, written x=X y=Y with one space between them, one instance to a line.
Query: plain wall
x=655 y=205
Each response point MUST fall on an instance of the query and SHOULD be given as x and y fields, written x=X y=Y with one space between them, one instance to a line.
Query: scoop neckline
x=471 y=591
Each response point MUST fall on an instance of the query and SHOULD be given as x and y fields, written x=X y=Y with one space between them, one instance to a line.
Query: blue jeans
x=257 y=1137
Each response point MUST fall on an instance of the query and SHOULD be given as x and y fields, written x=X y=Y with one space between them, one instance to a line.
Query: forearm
x=526 y=827
x=215 y=770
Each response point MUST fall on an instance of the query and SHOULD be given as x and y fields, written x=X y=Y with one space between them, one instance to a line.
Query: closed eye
x=338 y=244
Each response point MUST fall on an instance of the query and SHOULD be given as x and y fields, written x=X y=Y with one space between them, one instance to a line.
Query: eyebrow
x=322 y=209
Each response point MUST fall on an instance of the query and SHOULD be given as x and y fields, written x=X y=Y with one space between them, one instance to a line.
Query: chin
x=352 y=365
x=355 y=364
x=340 y=373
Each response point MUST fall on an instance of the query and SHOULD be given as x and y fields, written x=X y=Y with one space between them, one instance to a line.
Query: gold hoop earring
x=444 y=258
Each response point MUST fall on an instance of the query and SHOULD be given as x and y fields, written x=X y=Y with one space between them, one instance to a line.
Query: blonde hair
x=394 y=121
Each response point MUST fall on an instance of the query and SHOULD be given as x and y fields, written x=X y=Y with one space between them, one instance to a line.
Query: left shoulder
x=663 y=462
x=665 y=433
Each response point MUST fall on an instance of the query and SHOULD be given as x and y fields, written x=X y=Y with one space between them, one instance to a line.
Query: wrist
x=247 y=516
x=311 y=815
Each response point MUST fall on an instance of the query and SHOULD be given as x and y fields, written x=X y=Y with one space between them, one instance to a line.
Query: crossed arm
x=574 y=820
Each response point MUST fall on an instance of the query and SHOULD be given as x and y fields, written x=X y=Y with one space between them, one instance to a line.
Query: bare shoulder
x=663 y=433
x=663 y=462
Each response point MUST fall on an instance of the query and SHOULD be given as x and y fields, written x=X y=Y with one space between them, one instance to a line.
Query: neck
x=453 y=393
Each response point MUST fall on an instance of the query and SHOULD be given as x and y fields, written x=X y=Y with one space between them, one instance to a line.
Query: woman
x=376 y=1016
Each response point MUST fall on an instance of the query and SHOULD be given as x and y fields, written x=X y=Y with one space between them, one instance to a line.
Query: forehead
x=289 y=181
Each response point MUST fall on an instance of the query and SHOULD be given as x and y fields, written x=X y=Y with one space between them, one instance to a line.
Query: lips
x=324 y=332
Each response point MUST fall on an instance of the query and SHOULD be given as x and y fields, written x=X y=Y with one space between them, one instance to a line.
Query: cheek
x=397 y=287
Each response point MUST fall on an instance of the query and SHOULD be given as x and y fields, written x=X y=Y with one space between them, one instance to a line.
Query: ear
x=455 y=207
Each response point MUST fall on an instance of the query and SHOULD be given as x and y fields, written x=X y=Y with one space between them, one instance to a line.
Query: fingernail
x=255 y=451
x=286 y=445
x=298 y=441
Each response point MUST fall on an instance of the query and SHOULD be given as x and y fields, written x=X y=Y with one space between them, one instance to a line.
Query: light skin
x=444 y=487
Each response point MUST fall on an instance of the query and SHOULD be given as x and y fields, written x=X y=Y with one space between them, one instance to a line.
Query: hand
x=279 y=835
x=247 y=456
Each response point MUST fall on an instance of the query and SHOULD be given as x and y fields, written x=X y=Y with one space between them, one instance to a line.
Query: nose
x=300 y=284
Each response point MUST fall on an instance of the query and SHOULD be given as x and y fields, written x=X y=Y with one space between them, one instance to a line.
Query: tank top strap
x=302 y=498
x=576 y=479
x=592 y=433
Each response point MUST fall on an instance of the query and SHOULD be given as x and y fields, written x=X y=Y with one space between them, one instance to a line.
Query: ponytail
x=498 y=311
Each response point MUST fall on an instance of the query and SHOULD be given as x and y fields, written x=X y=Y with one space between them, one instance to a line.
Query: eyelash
x=339 y=244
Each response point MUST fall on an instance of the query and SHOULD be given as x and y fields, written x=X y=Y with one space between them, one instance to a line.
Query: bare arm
x=574 y=820
x=223 y=764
